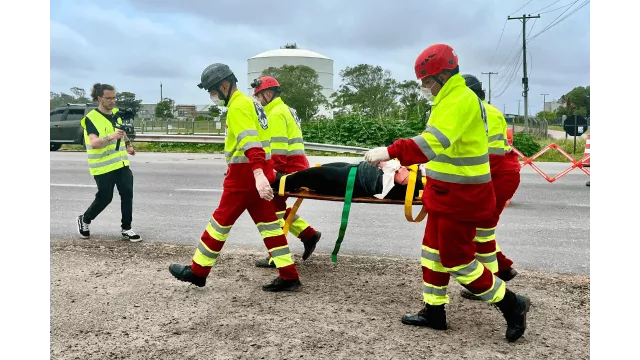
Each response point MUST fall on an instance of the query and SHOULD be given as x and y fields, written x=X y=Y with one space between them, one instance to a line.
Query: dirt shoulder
x=116 y=300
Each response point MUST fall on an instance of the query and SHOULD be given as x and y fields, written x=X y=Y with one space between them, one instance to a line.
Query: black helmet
x=472 y=82
x=213 y=75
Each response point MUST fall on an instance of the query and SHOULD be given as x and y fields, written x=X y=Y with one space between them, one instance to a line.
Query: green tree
x=165 y=109
x=127 y=100
x=368 y=90
x=60 y=99
x=576 y=102
x=299 y=88
x=546 y=115
x=80 y=95
x=214 y=111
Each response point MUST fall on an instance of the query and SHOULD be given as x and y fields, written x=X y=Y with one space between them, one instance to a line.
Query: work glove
x=262 y=185
x=374 y=156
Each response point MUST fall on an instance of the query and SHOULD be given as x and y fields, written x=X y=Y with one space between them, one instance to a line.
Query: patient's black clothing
x=331 y=179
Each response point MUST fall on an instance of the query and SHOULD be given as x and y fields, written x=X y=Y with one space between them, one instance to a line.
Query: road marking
x=73 y=185
x=204 y=190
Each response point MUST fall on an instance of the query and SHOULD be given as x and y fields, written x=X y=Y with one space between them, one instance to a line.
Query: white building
x=291 y=55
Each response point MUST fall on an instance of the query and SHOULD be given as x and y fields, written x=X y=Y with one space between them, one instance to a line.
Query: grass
x=550 y=156
x=553 y=155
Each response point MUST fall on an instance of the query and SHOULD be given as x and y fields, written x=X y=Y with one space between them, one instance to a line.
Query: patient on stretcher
x=388 y=180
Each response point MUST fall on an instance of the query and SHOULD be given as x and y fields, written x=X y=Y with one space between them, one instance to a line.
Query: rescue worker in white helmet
x=458 y=194
x=246 y=185
x=287 y=152
x=505 y=177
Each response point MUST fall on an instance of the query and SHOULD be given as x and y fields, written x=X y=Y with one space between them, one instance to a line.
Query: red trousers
x=505 y=184
x=448 y=249
x=232 y=205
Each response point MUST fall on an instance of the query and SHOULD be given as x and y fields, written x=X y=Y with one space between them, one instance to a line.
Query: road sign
x=575 y=125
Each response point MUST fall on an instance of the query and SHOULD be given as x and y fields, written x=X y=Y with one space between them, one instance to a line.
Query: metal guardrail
x=216 y=139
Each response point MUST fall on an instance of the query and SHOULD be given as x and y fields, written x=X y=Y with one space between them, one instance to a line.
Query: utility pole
x=525 y=80
x=489 y=73
x=161 y=92
x=514 y=122
x=544 y=104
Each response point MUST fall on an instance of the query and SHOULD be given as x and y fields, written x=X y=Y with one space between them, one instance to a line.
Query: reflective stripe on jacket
x=287 y=148
x=108 y=158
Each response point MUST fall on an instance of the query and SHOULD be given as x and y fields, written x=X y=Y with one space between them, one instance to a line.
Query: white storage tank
x=292 y=55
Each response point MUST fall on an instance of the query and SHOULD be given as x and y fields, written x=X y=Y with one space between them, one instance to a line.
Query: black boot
x=184 y=273
x=310 y=244
x=505 y=275
x=279 y=284
x=433 y=316
x=265 y=263
x=514 y=308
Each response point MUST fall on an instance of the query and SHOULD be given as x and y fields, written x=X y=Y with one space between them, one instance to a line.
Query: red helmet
x=263 y=83
x=434 y=59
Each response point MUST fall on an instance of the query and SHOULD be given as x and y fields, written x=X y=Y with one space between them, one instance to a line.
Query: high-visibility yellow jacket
x=247 y=146
x=287 y=148
x=455 y=149
x=108 y=158
x=501 y=158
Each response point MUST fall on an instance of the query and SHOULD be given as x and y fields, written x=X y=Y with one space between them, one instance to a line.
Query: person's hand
x=118 y=134
x=374 y=156
x=131 y=150
x=262 y=185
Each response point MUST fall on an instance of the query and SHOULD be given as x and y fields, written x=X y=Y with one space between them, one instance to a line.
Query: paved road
x=546 y=227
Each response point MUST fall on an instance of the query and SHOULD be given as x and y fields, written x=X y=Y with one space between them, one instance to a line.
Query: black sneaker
x=279 y=284
x=184 y=273
x=131 y=236
x=83 y=228
x=265 y=263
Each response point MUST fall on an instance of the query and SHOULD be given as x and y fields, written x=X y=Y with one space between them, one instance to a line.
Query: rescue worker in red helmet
x=458 y=194
x=245 y=187
x=505 y=177
x=287 y=152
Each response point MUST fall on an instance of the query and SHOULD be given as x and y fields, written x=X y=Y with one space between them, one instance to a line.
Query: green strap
x=345 y=211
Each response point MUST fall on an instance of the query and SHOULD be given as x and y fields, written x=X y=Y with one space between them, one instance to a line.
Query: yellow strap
x=408 y=198
x=289 y=220
x=292 y=215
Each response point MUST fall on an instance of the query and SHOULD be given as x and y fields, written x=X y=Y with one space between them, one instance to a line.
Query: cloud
x=173 y=41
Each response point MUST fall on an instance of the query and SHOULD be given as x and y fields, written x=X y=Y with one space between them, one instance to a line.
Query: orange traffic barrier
x=587 y=152
x=510 y=135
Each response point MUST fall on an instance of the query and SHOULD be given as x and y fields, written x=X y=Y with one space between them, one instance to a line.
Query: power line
x=521 y=7
x=496 y=51
x=511 y=77
x=508 y=72
x=556 y=9
x=513 y=47
x=553 y=3
x=554 y=22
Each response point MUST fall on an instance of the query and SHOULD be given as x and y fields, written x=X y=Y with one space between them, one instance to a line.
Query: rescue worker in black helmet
x=505 y=177
x=246 y=185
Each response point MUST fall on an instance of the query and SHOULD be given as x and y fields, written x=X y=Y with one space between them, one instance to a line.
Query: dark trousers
x=328 y=179
x=123 y=179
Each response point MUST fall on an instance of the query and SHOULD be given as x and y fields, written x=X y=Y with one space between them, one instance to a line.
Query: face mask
x=426 y=93
x=216 y=100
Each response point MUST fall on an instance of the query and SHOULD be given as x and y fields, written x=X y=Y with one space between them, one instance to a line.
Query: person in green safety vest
x=107 y=150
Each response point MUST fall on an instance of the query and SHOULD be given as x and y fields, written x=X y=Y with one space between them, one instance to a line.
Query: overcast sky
x=136 y=44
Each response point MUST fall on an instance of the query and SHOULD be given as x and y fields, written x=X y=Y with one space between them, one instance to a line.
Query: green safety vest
x=108 y=158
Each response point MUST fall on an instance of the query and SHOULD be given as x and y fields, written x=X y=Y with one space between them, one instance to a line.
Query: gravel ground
x=116 y=300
